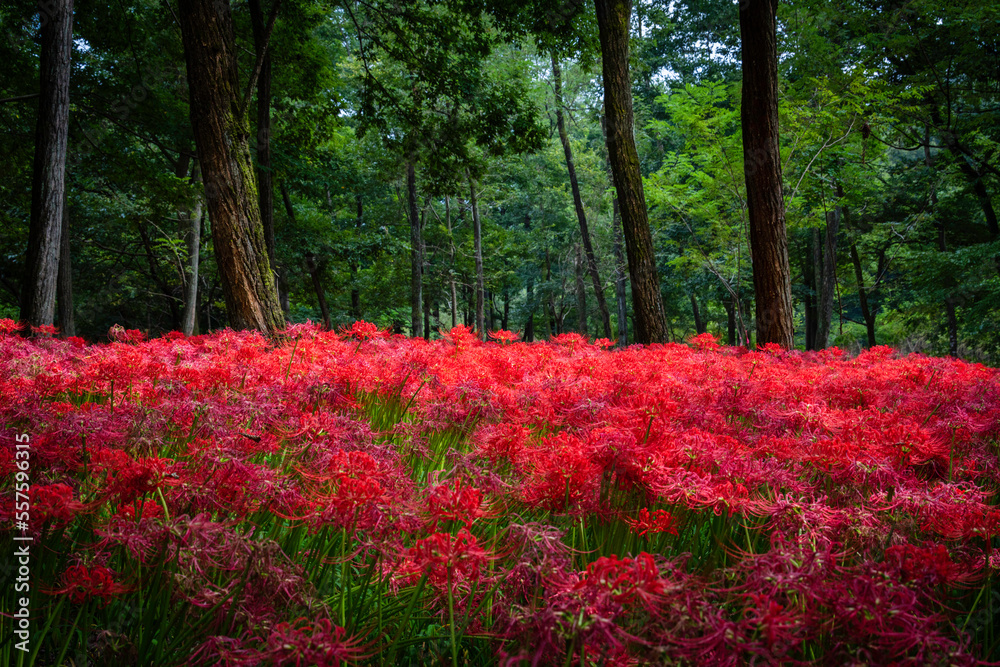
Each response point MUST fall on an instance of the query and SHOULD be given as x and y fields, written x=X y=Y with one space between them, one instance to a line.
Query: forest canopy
x=429 y=164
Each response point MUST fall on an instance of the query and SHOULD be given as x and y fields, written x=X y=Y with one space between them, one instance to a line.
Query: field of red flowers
x=355 y=497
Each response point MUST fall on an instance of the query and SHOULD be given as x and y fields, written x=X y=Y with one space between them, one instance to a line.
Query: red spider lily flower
x=82 y=583
x=120 y=334
x=461 y=336
x=45 y=330
x=8 y=326
x=146 y=509
x=572 y=340
x=503 y=336
x=625 y=579
x=705 y=342
x=54 y=502
x=930 y=565
x=660 y=521
x=453 y=502
x=450 y=561
x=362 y=330
x=318 y=644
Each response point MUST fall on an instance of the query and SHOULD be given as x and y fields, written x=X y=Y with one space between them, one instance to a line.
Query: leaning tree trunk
x=581 y=293
x=64 y=287
x=613 y=18
x=416 y=254
x=762 y=168
x=581 y=214
x=866 y=311
x=48 y=182
x=477 y=235
x=222 y=131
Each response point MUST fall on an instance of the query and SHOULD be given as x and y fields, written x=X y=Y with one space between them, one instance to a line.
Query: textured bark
x=222 y=132
x=581 y=214
x=64 y=287
x=416 y=254
x=762 y=168
x=827 y=280
x=48 y=183
x=477 y=235
x=189 y=320
x=613 y=18
x=621 y=275
x=863 y=296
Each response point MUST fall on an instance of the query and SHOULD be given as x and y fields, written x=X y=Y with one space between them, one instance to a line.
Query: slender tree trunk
x=811 y=259
x=265 y=174
x=189 y=320
x=355 y=289
x=581 y=293
x=222 y=130
x=866 y=311
x=48 y=182
x=762 y=168
x=730 y=305
x=315 y=270
x=451 y=263
x=699 y=324
x=477 y=235
x=613 y=17
x=621 y=271
x=64 y=288
x=827 y=279
x=951 y=317
x=581 y=214
x=416 y=254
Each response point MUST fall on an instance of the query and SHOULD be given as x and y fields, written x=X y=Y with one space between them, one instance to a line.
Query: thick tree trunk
x=48 y=182
x=581 y=293
x=827 y=279
x=762 y=168
x=222 y=131
x=581 y=214
x=416 y=253
x=621 y=271
x=613 y=17
x=477 y=235
x=64 y=287
x=866 y=311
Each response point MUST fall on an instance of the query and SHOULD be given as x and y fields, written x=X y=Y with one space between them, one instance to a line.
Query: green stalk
x=69 y=636
x=406 y=617
x=451 y=622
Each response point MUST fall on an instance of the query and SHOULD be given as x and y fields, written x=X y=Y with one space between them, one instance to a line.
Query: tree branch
x=252 y=83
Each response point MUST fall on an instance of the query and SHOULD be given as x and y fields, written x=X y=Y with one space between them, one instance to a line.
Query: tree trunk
x=221 y=131
x=730 y=305
x=64 y=287
x=315 y=270
x=581 y=293
x=762 y=168
x=189 y=320
x=863 y=296
x=581 y=214
x=699 y=324
x=354 y=266
x=416 y=254
x=827 y=279
x=477 y=235
x=48 y=182
x=265 y=173
x=951 y=318
x=613 y=17
x=620 y=275
x=811 y=260
x=451 y=265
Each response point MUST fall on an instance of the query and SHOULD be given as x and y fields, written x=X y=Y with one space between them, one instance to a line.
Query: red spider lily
x=120 y=334
x=361 y=330
x=625 y=580
x=316 y=644
x=55 y=503
x=660 y=521
x=454 y=502
x=45 y=330
x=451 y=562
x=8 y=326
x=503 y=336
x=82 y=583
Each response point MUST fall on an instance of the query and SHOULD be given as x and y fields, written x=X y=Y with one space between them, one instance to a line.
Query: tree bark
x=64 y=287
x=315 y=270
x=866 y=312
x=189 y=320
x=48 y=182
x=762 y=169
x=477 y=235
x=827 y=279
x=581 y=214
x=581 y=293
x=699 y=324
x=354 y=266
x=416 y=253
x=221 y=131
x=613 y=17
x=451 y=258
x=811 y=260
x=621 y=270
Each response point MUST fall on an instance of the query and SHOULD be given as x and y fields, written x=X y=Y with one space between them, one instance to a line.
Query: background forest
x=384 y=133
